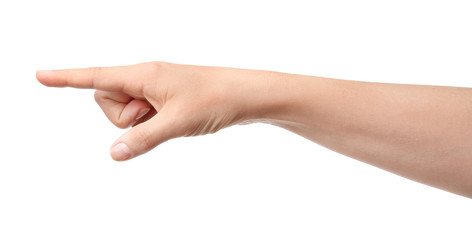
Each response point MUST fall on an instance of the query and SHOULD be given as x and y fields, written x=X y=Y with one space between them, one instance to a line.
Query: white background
x=57 y=180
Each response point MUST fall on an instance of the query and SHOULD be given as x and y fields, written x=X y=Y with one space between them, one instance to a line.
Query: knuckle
x=156 y=68
x=94 y=73
x=121 y=124
x=98 y=95
x=94 y=70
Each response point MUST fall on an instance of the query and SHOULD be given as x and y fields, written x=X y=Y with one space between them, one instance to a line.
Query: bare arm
x=419 y=132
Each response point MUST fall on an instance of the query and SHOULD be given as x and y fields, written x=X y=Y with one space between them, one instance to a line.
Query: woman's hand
x=164 y=101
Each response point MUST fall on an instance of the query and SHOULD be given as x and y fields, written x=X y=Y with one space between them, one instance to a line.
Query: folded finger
x=121 y=109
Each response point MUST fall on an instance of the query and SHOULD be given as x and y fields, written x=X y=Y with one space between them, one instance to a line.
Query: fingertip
x=48 y=78
x=42 y=76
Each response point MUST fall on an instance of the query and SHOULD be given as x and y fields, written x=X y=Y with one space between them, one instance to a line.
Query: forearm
x=420 y=132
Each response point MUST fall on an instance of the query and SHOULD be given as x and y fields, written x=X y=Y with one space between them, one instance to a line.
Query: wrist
x=286 y=99
x=267 y=96
x=270 y=96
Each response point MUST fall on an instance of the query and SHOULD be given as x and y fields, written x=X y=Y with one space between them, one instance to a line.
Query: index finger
x=102 y=78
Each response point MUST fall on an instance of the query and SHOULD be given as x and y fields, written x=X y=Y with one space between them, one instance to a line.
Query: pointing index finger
x=102 y=78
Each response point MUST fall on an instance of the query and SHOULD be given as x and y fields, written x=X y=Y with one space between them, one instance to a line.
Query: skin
x=420 y=132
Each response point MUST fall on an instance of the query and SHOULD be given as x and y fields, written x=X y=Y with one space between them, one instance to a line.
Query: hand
x=163 y=100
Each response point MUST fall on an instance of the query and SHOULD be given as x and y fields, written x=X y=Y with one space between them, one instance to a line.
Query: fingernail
x=45 y=72
x=120 y=152
x=142 y=113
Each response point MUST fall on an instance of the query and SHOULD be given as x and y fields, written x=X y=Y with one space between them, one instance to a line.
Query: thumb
x=144 y=137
